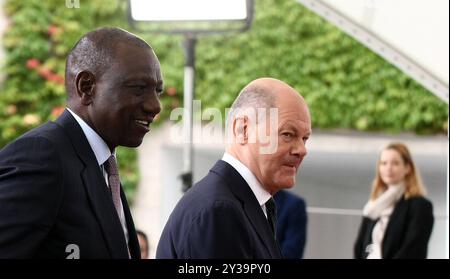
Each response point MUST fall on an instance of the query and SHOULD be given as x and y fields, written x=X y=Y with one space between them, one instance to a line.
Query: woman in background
x=397 y=219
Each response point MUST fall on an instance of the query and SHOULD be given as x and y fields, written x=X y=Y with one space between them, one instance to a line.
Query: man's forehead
x=141 y=62
x=152 y=76
x=125 y=52
x=303 y=125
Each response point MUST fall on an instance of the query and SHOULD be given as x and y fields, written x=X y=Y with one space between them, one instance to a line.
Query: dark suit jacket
x=219 y=217
x=407 y=233
x=291 y=224
x=52 y=194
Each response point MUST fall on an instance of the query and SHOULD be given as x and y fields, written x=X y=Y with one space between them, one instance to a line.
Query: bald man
x=230 y=212
x=60 y=192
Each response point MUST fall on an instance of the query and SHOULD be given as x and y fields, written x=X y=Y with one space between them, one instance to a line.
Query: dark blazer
x=407 y=233
x=291 y=224
x=52 y=194
x=219 y=217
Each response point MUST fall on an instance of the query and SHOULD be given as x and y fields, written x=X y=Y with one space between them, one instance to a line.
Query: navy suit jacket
x=291 y=224
x=53 y=194
x=407 y=233
x=219 y=217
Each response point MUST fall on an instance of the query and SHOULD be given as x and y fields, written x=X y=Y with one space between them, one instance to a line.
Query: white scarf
x=381 y=209
x=374 y=208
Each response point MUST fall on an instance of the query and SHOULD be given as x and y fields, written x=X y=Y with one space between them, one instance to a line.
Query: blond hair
x=413 y=182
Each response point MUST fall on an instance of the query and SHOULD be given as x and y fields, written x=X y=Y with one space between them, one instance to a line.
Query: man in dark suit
x=60 y=194
x=230 y=213
x=291 y=224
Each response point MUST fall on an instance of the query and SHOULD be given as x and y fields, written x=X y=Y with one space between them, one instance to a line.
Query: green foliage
x=345 y=84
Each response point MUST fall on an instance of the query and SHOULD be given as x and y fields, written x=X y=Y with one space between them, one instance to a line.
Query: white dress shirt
x=260 y=193
x=102 y=153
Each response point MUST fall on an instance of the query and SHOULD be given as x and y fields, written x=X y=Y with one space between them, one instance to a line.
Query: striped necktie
x=114 y=182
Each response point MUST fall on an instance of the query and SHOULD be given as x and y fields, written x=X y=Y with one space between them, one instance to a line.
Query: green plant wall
x=344 y=83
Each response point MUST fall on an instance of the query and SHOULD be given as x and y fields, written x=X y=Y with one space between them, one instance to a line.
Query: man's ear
x=85 y=83
x=240 y=129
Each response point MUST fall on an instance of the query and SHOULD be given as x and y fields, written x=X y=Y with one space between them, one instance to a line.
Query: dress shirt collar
x=98 y=145
x=261 y=194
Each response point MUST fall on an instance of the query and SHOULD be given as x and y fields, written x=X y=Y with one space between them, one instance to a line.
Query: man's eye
x=287 y=135
x=137 y=86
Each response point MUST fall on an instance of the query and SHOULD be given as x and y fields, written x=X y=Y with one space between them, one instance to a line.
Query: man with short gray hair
x=230 y=213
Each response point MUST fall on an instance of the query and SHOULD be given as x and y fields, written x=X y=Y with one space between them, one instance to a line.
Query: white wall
x=418 y=28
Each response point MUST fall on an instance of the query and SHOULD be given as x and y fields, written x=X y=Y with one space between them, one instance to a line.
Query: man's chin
x=289 y=183
x=133 y=143
x=286 y=183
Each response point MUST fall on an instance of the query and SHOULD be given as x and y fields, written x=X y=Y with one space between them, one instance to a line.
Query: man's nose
x=299 y=148
x=152 y=105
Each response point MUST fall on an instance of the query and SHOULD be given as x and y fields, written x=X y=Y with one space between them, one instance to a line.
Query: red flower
x=56 y=78
x=52 y=30
x=171 y=91
x=11 y=109
x=56 y=111
x=59 y=80
x=33 y=63
x=45 y=73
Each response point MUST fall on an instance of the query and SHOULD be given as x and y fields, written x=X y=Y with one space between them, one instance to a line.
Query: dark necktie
x=114 y=182
x=114 y=185
x=271 y=210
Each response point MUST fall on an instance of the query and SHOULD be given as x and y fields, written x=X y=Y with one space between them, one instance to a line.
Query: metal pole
x=189 y=75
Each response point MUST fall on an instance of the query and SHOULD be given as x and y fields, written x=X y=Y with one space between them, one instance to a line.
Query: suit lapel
x=252 y=209
x=96 y=188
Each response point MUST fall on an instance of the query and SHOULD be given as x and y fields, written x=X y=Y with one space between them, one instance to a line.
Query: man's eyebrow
x=140 y=77
x=296 y=128
x=289 y=125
